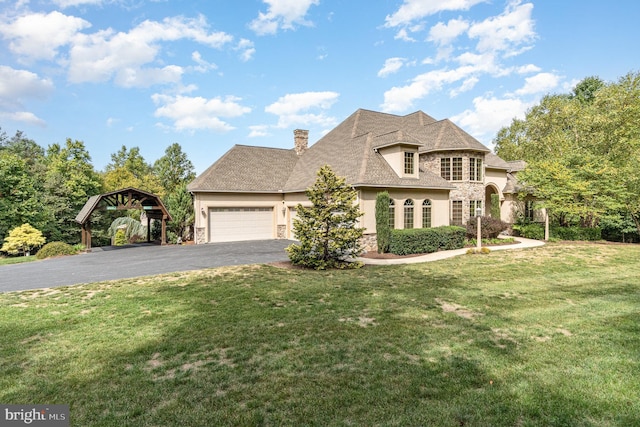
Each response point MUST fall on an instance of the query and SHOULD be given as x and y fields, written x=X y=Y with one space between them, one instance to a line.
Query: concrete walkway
x=436 y=256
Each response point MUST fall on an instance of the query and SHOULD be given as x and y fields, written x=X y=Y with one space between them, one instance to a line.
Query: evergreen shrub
x=56 y=249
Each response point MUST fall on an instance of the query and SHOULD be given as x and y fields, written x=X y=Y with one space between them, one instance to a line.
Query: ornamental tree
x=327 y=230
x=22 y=239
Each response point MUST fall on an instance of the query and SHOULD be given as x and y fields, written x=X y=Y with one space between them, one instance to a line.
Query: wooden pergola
x=119 y=200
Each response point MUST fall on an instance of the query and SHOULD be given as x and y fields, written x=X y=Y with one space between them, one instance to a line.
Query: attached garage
x=235 y=224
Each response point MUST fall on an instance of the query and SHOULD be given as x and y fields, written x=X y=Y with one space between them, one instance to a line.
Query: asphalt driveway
x=134 y=261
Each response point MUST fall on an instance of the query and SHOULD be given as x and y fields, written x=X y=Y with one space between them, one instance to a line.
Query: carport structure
x=120 y=200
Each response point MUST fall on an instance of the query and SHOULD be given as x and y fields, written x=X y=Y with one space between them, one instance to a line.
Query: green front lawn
x=16 y=260
x=541 y=337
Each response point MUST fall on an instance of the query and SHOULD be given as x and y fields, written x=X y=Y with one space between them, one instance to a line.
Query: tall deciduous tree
x=328 y=232
x=129 y=169
x=19 y=197
x=174 y=168
x=70 y=181
x=175 y=171
x=582 y=150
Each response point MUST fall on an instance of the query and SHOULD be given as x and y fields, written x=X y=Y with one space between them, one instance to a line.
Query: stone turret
x=301 y=141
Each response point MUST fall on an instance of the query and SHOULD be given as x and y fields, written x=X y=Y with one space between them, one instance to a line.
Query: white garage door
x=235 y=224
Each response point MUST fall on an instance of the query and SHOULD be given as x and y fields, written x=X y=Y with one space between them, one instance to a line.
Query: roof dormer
x=400 y=151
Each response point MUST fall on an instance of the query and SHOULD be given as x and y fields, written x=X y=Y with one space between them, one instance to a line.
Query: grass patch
x=546 y=336
x=17 y=260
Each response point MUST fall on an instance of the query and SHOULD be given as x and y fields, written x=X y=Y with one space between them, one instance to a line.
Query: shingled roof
x=351 y=151
x=247 y=169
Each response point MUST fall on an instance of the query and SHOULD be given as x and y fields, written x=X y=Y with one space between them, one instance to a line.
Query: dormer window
x=409 y=163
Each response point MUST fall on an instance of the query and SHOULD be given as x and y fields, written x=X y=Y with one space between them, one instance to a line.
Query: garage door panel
x=236 y=224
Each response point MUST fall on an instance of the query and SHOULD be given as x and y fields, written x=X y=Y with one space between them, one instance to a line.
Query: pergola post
x=86 y=236
x=164 y=230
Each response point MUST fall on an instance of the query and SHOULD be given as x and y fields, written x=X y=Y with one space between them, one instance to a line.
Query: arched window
x=426 y=214
x=408 y=213
x=392 y=214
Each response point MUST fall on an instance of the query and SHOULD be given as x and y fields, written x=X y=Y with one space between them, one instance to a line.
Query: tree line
x=583 y=154
x=46 y=188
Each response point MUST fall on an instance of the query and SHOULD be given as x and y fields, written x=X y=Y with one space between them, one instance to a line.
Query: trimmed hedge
x=536 y=231
x=576 y=233
x=55 y=249
x=426 y=240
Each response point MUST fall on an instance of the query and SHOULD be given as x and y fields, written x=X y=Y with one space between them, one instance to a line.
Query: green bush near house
x=536 y=231
x=529 y=231
x=426 y=240
x=576 y=233
x=56 y=249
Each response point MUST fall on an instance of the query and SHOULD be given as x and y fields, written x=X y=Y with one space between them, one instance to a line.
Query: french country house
x=436 y=174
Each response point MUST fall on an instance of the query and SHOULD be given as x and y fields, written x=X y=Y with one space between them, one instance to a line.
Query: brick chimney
x=300 y=141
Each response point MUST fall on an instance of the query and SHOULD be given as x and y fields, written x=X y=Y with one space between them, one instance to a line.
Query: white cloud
x=412 y=10
x=391 y=66
x=68 y=3
x=193 y=113
x=399 y=99
x=444 y=34
x=18 y=86
x=404 y=35
x=259 y=131
x=540 y=83
x=103 y=55
x=282 y=14
x=203 y=65
x=507 y=32
x=23 y=117
x=293 y=109
x=39 y=36
x=21 y=84
x=246 y=49
x=466 y=86
x=489 y=115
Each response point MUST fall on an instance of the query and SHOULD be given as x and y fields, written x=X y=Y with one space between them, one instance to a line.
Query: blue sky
x=213 y=73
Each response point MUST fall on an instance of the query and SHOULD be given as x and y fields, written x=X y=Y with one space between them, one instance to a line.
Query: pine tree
x=327 y=230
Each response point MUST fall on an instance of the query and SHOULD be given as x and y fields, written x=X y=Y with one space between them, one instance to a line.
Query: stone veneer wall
x=200 y=239
x=282 y=231
x=370 y=242
x=466 y=190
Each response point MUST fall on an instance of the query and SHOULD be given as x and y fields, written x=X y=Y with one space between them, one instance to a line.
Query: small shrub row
x=576 y=233
x=489 y=227
x=426 y=240
x=536 y=231
x=529 y=231
x=56 y=249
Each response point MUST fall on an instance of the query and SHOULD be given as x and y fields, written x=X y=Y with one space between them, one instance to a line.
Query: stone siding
x=282 y=231
x=466 y=189
x=200 y=237
x=369 y=242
